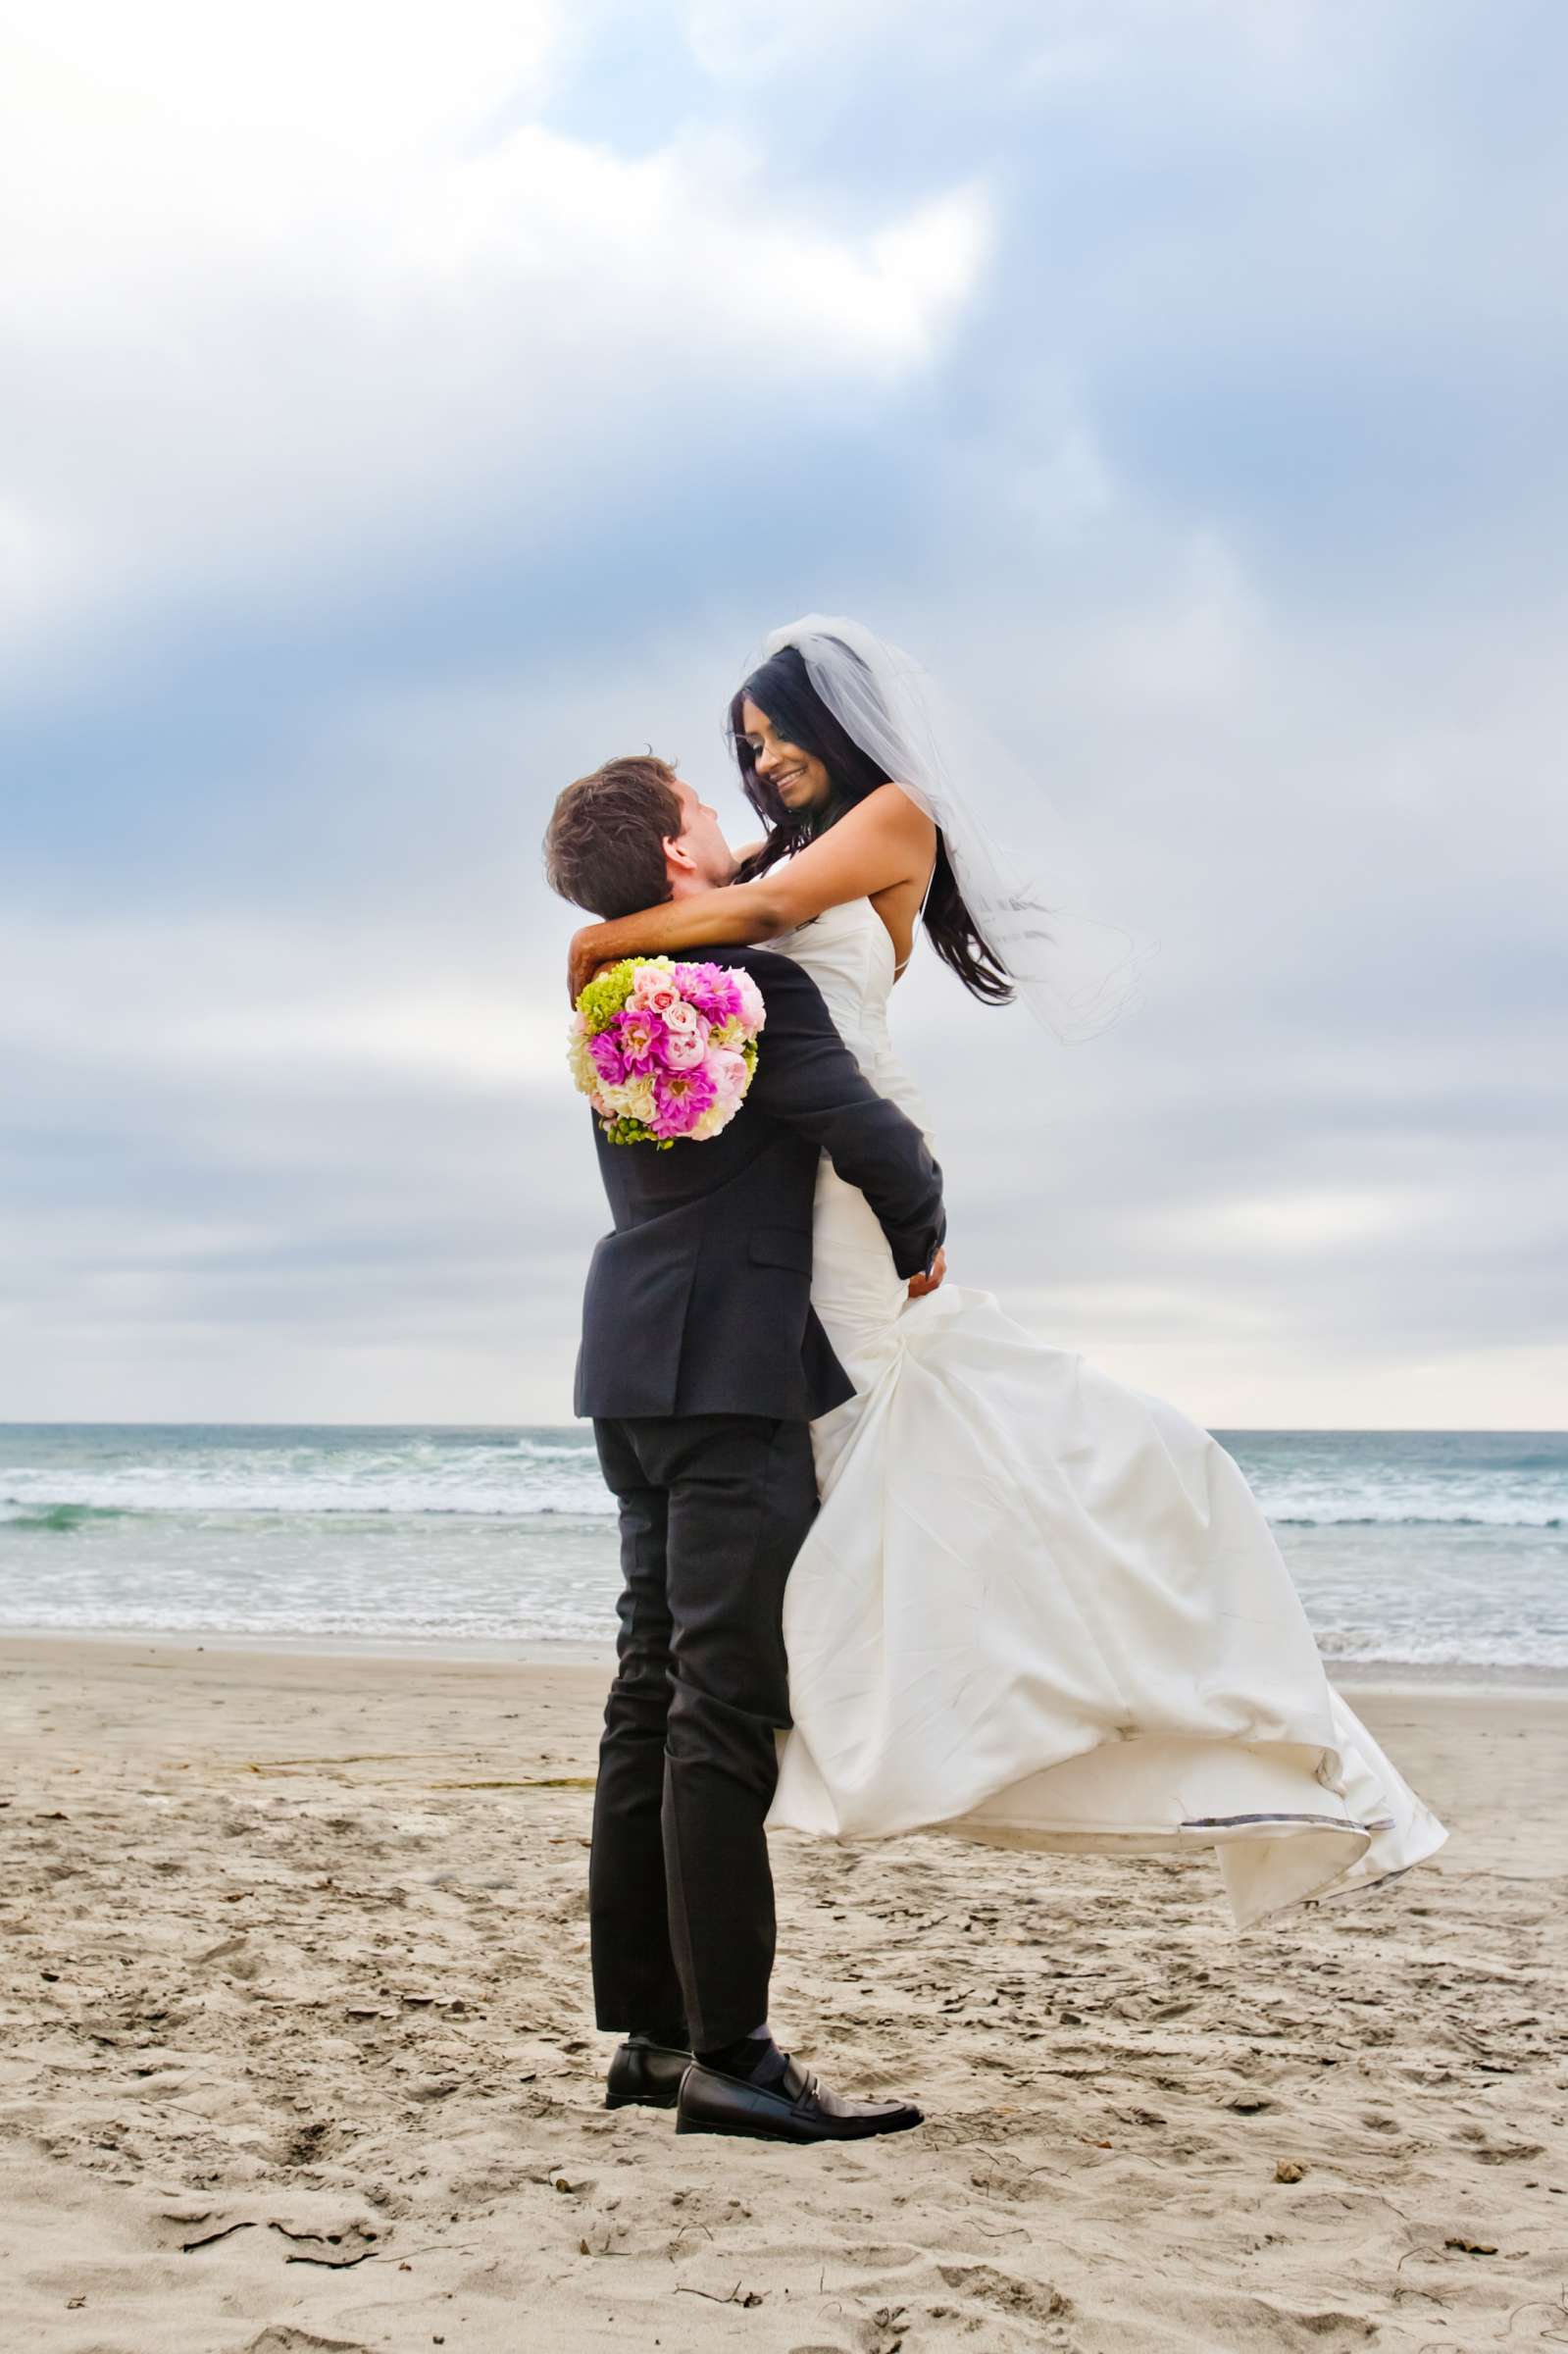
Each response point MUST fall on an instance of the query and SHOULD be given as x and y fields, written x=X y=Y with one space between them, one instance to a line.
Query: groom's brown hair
x=604 y=843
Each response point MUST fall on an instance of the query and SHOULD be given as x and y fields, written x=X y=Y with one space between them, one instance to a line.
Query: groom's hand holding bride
x=920 y=1284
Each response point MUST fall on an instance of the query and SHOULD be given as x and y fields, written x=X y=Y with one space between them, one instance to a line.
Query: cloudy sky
x=402 y=408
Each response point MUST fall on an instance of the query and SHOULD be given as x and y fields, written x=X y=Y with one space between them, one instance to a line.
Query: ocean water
x=1411 y=1549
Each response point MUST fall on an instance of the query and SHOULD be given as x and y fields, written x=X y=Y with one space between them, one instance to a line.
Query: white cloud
x=1039 y=44
x=363 y=78
x=753 y=40
x=1294 y=1222
x=220 y=1000
x=298 y=302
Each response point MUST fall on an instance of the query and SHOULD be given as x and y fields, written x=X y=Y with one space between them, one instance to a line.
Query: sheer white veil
x=1075 y=973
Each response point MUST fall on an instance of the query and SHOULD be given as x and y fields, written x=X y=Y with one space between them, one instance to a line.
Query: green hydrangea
x=632 y=1132
x=605 y=997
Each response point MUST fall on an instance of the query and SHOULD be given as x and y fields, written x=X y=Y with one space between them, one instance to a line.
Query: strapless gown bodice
x=854 y=1286
x=848 y=953
x=1039 y=1607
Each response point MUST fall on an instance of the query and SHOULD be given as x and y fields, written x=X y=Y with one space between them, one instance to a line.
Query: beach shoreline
x=298 y=2049
x=1392 y=1676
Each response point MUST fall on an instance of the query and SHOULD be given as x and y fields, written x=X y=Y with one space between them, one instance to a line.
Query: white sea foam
x=1425 y=1549
x=1302 y=1479
x=418 y=1476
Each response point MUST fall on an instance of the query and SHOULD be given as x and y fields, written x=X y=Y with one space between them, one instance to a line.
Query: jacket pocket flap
x=782 y=1247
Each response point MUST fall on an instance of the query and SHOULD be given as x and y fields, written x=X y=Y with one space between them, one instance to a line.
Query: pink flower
x=608 y=1059
x=680 y=1097
x=640 y=1036
x=727 y=1070
x=750 y=1007
x=686 y=1038
x=709 y=988
x=654 y=989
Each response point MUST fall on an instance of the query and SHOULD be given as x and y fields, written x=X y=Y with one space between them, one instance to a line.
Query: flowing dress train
x=1037 y=1607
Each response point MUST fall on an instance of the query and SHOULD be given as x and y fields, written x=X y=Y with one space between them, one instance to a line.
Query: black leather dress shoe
x=795 y=2106
x=645 y=2074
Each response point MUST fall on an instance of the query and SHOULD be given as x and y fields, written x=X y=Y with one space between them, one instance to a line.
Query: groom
x=702 y=1366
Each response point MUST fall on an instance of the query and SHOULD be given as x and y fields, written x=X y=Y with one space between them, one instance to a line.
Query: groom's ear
x=677 y=857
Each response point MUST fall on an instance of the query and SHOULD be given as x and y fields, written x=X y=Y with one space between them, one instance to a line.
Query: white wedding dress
x=1038 y=1608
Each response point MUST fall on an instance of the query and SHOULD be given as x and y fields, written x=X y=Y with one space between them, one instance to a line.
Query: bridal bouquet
x=663 y=1050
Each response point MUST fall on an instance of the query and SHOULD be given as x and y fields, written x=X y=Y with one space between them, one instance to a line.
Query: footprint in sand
x=284 y=2339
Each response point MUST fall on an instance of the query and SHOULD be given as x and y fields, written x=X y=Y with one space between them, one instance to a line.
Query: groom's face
x=703 y=859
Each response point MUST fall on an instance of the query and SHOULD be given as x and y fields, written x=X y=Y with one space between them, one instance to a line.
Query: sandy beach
x=298 y=2057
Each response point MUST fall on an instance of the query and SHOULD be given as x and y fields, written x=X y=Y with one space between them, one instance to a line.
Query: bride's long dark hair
x=783 y=689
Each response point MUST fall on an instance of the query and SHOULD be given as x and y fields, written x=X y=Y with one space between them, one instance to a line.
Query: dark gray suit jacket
x=699 y=1301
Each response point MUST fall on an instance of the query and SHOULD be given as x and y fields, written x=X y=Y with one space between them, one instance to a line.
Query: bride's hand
x=583 y=959
x=920 y=1284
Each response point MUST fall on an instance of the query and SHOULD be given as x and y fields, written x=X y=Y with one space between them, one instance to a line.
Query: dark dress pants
x=714 y=1509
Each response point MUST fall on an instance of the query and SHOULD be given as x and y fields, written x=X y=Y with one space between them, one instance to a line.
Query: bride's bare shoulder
x=899 y=804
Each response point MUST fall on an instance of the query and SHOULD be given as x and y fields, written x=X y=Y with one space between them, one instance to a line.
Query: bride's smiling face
x=798 y=778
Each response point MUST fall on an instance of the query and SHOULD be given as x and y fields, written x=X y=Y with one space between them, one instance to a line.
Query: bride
x=1037 y=1607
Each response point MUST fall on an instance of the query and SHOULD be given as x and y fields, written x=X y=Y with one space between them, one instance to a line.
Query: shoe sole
x=693 y=2125
x=640 y=2100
